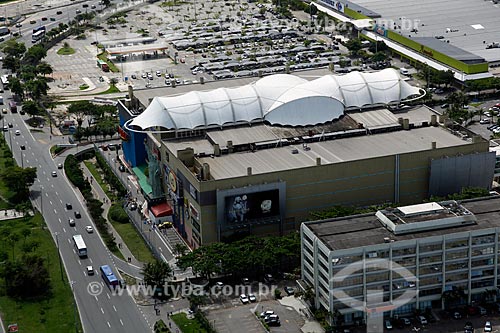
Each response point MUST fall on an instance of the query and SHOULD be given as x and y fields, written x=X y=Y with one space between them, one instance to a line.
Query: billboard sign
x=380 y=30
x=246 y=207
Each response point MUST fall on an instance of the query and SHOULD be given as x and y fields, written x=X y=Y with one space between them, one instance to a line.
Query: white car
x=252 y=298
x=90 y=270
x=158 y=73
x=89 y=229
x=18 y=132
x=54 y=174
x=487 y=327
x=244 y=299
x=266 y=313
x=422 y=320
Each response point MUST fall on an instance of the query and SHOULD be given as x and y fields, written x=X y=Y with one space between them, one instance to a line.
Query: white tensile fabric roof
x=279 y=99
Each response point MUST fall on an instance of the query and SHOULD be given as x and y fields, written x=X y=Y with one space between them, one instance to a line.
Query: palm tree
x=113 y=82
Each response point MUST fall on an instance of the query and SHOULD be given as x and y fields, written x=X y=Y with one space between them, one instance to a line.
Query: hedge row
x=75 y=175
x=110 y=176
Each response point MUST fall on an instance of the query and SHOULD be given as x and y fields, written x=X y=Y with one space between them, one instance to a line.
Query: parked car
x=422 y=320
x=388 y=325
x=252 y=298
x=289 y=291
x=457 y=315
x=266 y=313
x=244 y=299
x=245 y=281
x=487 y=327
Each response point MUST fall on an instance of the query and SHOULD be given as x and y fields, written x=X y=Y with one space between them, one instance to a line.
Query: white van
x=404 y=71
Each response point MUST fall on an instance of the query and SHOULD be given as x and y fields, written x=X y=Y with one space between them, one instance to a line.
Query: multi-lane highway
x=99 y=313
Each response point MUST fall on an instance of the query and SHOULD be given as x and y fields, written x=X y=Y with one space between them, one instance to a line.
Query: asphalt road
x=98 y=313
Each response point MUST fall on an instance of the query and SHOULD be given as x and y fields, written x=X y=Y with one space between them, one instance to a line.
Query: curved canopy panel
x=280 y=99
x=306 y=110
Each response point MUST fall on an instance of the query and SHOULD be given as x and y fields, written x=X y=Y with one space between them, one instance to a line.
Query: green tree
x=27 y=278
x=34 y=55
x=80 y=109
x=379 y=57
x=18 y=180
x=16 y=87
x=353 y=45
x=180 y=249
x=156 y=274
x=32 y=108
x=44 y=68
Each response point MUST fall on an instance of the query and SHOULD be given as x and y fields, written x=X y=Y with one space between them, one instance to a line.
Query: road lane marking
x=47 y=195
x=69 y=240
x=50 y=202
x=64 y=229
x=90 y=260
x=114 y=308
x=80 y=262
x=96 y=298
x=109 y=325
x=102 y=310
x=55 y=211
x=109 y=297
x=58 y=195
x=121 y=322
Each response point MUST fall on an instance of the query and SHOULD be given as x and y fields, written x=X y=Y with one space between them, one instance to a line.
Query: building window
x=431 y=259
x=403 y=252
x=451 y=244
x=486 y=239
x=430 y=247
x=461 y=254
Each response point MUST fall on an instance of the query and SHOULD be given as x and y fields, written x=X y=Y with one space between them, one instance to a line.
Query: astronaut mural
x=248 y=207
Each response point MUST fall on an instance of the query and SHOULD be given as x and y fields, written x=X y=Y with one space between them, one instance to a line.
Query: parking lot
x=242 y=318
x=190 y=42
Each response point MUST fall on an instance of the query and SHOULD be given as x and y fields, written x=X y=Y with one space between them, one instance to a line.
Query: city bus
x=108 y=276
x=13 y=107
x=37 y=36
x=80 y=246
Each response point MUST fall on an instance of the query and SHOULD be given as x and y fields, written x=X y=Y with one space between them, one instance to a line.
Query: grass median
x=52 y=314
x=129 y=234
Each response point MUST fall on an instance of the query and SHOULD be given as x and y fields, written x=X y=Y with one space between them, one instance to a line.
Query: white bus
x=37 y=36
x=80 y=246
x=5 y=81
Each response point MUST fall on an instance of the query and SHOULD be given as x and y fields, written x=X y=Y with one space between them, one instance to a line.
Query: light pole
x=74 y=305
x=59 y=255
x=41 y=199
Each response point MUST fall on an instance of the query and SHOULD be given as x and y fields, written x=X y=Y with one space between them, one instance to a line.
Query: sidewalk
x=106 y=204
x=310 y=325
x=10 y=214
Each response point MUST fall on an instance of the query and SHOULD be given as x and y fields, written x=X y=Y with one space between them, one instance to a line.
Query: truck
x=4 y=31
x=102 y=65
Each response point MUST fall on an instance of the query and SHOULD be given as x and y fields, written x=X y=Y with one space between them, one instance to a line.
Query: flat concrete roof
x=333 y=151
x=365 y=230
x=470 y=22
x=444 y=47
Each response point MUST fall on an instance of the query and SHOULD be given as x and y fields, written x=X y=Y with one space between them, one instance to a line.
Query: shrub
x=118 y=214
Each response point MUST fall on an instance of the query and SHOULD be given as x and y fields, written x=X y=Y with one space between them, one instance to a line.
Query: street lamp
x=23 y=147
x=74 y=305
x=59 y=255
x=41 y=199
